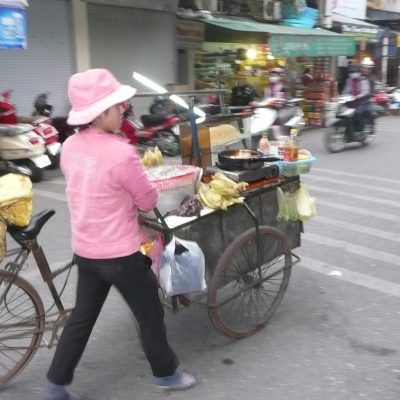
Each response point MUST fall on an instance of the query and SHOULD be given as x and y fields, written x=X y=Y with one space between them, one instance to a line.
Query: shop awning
x=360 y=30
x=284 y=41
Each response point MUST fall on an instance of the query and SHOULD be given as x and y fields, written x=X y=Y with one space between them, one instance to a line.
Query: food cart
x=248 y=251
x=248 y=256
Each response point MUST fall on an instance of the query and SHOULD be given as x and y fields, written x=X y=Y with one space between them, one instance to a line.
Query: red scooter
x=153 y=130
x=40 y=125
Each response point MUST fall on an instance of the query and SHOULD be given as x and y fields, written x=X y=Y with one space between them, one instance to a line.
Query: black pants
x=137 y=284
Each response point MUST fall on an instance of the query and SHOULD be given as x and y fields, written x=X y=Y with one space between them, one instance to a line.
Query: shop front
x=242 y=52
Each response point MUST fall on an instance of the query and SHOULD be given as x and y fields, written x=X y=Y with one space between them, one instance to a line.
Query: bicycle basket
x=293 y=168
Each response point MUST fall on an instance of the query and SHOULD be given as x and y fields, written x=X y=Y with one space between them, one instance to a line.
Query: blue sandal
x=177 y=381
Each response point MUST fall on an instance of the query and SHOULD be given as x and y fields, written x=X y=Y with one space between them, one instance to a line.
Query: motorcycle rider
x=359 y=86
x=275 y=96
x=366 y=68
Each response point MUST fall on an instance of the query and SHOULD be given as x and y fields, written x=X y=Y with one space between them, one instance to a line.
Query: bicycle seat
x=33 y=229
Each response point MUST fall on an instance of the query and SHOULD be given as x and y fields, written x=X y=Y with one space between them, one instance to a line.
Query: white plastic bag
x=182 y=268
x=306 y=208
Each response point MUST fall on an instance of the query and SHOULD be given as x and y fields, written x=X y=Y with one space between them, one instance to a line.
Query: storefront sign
x=361 y=33
x=190 y=34
x=12 y=28
x=300 y=46
x=350 y=8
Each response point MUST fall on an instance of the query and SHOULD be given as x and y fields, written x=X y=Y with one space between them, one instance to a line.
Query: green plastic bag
x=295 y=206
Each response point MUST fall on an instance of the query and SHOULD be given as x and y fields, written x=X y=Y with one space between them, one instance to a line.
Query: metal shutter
x=47 y=63
x=125 y=39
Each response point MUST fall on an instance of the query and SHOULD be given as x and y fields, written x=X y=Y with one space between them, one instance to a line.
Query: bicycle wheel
x=244 y=293
x=21 y=325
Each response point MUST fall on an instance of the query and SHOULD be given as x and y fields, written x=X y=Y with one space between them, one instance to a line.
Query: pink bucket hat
x=92 y=92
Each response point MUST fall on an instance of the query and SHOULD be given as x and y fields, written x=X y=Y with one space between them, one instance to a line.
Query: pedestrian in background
x=307 y=78
x=106 y=187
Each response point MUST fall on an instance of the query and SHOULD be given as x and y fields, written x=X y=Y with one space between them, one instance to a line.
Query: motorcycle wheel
x=368 y=134
x=386 y=109
x=36 y=172
x=335 y=138
x=168 y=143
x=54 y=159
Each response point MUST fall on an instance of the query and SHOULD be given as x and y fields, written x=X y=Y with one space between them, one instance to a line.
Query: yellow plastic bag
x=16 y=199
x=298 y=205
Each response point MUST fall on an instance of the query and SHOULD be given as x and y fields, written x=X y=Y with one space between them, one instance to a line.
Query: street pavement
x=335 y=335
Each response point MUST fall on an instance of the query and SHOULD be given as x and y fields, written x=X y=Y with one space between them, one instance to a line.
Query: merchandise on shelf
x=316 y=95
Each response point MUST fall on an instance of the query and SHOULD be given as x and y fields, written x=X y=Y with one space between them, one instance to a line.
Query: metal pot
x=243 y=159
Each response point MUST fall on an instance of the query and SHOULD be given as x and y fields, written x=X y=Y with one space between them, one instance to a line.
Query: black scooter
x=345 y=126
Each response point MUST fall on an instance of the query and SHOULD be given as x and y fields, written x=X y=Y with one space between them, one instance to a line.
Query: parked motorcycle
x=152 y=130
x=394 y=94
x=20 y=144
x=343 y=128
x=43 y=108
x=8 y=167
x=51 y=140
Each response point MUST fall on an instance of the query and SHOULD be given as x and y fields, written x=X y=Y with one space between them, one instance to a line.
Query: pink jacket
x=106 y=185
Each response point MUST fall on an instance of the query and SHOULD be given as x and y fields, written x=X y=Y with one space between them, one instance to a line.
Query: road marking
x=391 y=203
x=356 y=278
x=359 y=210
x=353 y=184
x=359 y=228
x=353 y=248
x=347 y=174
x=311 y=264
x=50 y=195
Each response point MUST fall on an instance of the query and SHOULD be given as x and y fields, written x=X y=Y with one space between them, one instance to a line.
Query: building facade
x=66 y=36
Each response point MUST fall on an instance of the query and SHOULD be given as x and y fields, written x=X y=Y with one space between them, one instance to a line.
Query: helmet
x=367 y=63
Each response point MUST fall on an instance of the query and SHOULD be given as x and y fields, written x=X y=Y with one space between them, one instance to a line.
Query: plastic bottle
x=263 y=144
x=292 y=147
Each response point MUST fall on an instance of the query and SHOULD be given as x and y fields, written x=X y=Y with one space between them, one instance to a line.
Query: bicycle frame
x=15 y=266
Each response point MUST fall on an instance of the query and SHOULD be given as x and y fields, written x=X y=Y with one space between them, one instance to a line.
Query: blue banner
x=12 y=28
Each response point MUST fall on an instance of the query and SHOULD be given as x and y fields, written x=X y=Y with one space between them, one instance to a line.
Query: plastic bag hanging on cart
x=182 y=268
x=306 y=208
x=298 y=205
